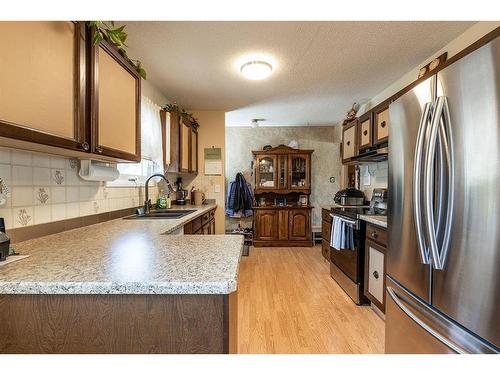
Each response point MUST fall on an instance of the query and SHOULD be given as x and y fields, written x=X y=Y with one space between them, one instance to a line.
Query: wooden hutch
x=282 y=180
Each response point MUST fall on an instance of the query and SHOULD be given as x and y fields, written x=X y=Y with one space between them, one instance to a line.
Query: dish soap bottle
x=161 y=202
x=169 y=201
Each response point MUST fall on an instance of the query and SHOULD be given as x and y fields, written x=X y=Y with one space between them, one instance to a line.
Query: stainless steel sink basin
x=161 y=214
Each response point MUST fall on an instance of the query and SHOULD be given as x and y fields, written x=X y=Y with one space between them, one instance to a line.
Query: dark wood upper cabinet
x=193 y=147
x=365 y=132
x=115 y=104
x=43 y=83
x=299 y=172
x=180 y=140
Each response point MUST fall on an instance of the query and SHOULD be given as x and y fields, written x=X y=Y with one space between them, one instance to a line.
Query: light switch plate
x=216 y=188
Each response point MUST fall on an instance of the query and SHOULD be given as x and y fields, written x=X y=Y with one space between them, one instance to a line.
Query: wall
x=45 y=188
x=210 y=133
x=378 y=177
x=325 y=142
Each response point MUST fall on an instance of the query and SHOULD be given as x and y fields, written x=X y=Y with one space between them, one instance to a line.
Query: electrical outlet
x=216 y=188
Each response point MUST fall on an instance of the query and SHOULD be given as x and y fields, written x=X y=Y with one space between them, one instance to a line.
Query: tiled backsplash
x=378 y=177
x=45 y=188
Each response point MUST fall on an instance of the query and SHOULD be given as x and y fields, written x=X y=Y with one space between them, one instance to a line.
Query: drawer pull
x=375 y=274
x=365 y=132
x=382 y=124
x=348 y=143
x=374 y=234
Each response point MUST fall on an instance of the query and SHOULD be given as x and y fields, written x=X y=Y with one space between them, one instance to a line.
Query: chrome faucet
x=147 y=202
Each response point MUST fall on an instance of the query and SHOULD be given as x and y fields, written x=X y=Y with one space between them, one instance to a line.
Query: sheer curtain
x=151 y=139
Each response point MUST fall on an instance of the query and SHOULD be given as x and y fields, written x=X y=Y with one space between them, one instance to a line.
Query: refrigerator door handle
x=418 y=321
x=417 y=191
x=440 y=121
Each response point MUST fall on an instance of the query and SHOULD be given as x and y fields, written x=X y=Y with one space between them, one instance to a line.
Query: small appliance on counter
x=4 y=242
x=350 y=197
x=181 y=193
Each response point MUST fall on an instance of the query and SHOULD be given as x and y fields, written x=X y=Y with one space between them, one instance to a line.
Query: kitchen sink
x=160 y=214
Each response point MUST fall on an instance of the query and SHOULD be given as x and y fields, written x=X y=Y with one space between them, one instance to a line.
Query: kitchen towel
x=342 y=234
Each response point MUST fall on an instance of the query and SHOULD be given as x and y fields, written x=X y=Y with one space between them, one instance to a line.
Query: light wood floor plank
x=288 y=303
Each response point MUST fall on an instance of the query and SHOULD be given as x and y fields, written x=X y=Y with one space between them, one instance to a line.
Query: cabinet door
x=266 y=225
x=193 y=145
x=43 y=82
x=299 y=172
x=282 y=172
x=381 y=126
x=185 y=152
x=365 y=132
x=116 y=94
x=265 y=175
x=349 y=146
x=166 y=134
x=375 y=274
x=283 y=224
x=300 y=225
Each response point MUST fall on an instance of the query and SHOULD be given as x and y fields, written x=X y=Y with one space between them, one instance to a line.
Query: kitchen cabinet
x=282 y=226
x=266 y=225
x=375 y=269
x=265 y=172
x=349 y=141
x=299 y=172
x=115 y=104
x=43 y=84
x=204 y=224
x=181 y=140
x=193 y=147
x=326 y=227
x=381 y=125
x=365 y=133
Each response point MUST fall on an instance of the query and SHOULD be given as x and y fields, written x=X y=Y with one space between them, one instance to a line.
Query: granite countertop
x=126 y=257
x=379 y=220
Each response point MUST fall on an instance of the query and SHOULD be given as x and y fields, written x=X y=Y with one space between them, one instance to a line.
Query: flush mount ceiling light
x=255 y=122
x=256 y=70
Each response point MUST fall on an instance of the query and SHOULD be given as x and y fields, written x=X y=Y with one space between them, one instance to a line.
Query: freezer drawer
x=412 y=326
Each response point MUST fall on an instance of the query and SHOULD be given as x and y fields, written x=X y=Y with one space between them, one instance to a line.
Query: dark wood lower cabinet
x=326 y=228
x=204 y=224
x=282 y=226
x=118 y=324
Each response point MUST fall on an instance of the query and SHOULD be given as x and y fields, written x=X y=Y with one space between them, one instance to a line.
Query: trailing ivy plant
x=187 y=117
x=106 y=30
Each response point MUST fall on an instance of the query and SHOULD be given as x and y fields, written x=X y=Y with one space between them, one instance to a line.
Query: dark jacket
x=239 y=198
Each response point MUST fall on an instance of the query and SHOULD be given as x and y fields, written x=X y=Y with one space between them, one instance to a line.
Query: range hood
x=373 y=156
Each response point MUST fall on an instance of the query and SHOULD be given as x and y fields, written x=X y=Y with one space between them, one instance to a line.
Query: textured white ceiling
x=321 y=67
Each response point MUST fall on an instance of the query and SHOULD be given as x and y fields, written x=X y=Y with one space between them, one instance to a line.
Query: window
x=132 y=174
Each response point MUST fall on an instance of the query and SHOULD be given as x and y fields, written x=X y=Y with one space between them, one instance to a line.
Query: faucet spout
x=147 y=202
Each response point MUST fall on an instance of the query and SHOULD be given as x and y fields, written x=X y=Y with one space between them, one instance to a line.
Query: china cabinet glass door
x=266 y=172
x=282 y=173
x=299 y=172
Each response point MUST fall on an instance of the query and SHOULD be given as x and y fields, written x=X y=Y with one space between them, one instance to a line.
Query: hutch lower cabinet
x=282 y=211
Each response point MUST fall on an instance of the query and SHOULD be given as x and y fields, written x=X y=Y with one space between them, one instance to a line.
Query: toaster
x=4 y=241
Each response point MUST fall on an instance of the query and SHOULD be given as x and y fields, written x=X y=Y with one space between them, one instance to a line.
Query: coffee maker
x=182 y=193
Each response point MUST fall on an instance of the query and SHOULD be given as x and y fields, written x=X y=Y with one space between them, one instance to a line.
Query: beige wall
x=211 y=133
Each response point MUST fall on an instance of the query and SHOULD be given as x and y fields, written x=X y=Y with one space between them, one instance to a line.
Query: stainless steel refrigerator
x=443 y=260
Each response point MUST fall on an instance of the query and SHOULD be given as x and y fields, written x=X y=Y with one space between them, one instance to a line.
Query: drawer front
x=365 y=134
x=376 y=274
x=376 y=234
x=349 y=143
x=325 y=250
x=196 y=224
x=205 y=218
x=326 y=229
x=325 y=215
x=212 y=214
x=382 y=126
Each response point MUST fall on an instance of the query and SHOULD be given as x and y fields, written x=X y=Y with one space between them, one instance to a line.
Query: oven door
x=349 y=261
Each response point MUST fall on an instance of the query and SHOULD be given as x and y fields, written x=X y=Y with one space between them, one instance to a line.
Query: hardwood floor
x=288 y=303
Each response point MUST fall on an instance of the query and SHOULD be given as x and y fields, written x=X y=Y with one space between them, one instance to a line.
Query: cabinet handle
x=365 y=132
x=382 y=124
x=375 y=274
x=348 y=143
x=374 y=234
x=85 y=146
x=99 y=149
